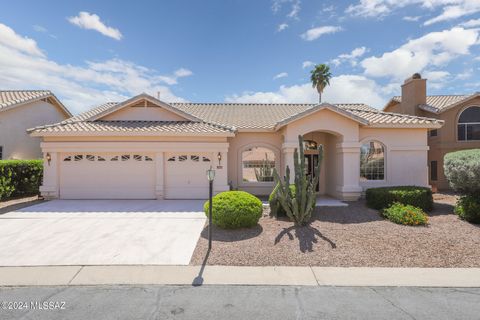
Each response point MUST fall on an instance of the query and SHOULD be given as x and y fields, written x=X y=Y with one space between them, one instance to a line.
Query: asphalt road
x=241 y=302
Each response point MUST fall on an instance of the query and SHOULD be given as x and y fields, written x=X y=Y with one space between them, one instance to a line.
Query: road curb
x=237 y=275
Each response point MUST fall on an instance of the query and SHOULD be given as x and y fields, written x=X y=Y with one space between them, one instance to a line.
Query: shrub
x=20 y=177
x=381 y=198
x=462 y=169
x=235 y=209
x=405 y=214
x=468 y=208
x=276 y=209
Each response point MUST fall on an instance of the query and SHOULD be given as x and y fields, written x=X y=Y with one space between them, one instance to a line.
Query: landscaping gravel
x=353 y=236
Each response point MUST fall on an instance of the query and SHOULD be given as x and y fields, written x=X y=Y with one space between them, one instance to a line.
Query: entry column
x=288 y=149
x=349 y=188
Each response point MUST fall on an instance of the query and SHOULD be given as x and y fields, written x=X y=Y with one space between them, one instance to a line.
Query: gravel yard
x=352 y=236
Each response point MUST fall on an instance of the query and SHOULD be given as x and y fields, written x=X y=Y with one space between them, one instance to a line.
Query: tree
x=320 y=77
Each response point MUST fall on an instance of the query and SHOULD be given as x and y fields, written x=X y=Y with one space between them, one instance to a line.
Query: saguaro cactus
x=299 y=206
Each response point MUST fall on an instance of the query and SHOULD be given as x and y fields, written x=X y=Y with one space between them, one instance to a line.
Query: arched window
x=258 y=164
x=469 y=124
x=372 y=161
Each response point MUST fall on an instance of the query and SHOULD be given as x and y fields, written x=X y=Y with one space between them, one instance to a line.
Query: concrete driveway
x=101 y=232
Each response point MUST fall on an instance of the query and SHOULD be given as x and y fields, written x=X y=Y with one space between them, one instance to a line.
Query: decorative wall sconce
x=48 y=157
x=219 y=157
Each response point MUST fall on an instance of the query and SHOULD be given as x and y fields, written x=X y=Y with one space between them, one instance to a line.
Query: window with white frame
x=468 y=126
x=258 y=164
x=1 y=152
x=372 y=161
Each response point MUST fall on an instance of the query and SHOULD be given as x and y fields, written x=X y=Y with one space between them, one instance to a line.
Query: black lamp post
x=210 y=177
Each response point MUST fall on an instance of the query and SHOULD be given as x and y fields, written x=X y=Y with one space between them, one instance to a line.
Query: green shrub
x=276 y=209
x=20 y=177
x=462 y=169
x=381 y=198
x=235 y=209
x=405 y=214
x=468 y=208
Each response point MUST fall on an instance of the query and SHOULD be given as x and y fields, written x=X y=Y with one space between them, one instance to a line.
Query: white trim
x=385 y=161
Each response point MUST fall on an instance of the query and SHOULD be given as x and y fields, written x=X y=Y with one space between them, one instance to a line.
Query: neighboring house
x=461 y=114
x=144 y=148
x=23 y=109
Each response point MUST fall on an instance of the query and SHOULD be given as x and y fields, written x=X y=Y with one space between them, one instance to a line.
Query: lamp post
x=210 y=177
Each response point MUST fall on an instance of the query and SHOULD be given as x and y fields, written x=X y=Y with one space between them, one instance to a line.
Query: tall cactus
x=265 y=172
x=299 y=206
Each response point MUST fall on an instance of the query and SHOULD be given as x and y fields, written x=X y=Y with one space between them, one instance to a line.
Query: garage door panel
x=107 y=176
x=185 y=175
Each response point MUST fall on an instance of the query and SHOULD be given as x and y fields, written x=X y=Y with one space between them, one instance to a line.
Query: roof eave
x=45 y=96
x=437 y=125
x=124 y=134
x=453 y=105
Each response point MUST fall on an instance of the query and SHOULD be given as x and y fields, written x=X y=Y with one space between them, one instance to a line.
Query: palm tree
x=320 y=78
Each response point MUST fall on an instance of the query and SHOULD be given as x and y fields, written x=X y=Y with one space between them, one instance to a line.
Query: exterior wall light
x=48 y=157
x=219 y=157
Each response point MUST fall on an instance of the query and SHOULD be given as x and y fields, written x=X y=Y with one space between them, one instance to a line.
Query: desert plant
x=235 y=209
x=276 y=209
x=384 y=197
x=265 y=172
x=405 y=214
x=299 y=206
x=320 y=78
x=468 y=208
x=462 y=169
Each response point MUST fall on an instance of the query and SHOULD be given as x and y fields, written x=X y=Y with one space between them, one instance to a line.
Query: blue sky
x=90 y=52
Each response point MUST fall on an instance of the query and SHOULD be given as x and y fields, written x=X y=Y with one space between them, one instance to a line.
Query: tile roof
x=11 y=98
x=141 y=127
x=229 y=117
x=438 y=103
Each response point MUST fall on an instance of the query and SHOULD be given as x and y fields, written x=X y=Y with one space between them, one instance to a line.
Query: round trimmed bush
x=235 y=209
x=462 y=169
x=468 y=208
x=405 y=214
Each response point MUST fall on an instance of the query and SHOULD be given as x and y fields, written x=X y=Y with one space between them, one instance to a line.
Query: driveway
x=101 y=232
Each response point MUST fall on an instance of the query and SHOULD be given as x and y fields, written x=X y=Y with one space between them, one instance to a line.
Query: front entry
x=311 y=160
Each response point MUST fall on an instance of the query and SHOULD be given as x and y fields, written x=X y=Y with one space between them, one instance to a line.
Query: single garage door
x=107 y=176
x=185 y=175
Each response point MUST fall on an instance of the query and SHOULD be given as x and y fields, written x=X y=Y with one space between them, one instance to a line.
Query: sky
x=91 y=52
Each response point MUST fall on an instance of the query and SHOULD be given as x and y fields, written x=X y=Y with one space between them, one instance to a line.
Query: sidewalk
x=226 y=275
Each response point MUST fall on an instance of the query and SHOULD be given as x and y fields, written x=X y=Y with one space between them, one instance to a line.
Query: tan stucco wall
x=405 y=158
x=17 y=144
x=144 y=113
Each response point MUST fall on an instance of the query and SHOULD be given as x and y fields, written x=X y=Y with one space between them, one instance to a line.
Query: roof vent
x=416 y=76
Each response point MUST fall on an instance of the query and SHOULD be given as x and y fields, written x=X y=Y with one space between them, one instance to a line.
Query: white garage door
x=107 y=176
x=185 y=175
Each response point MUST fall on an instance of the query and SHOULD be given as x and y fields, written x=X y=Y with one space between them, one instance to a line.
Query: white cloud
x=294 y=9
x=464 y=75
x=471 y=23
x=23 y=66
x=38 y=28
x=411 y=18
x=342 y=89
x=451 y=9
x=91 y=21
x=315 y=33
x=433 y=49
x=436 y=76
x=307 y=64
x=10 y=39
x=282 y=27
x=350 y=57
x=280 y=75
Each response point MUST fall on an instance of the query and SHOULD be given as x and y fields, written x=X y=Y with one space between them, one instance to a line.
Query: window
x=69 y=158
x=171 y=159
x=194 y=158
x=469 y=124
x=433 y=171
x=205 y=159
x=372 y=161
x=90 y=157
x=125 y=157
x=114 y=158
x=137 y=157
x=78 y=157
x=182 y=158
x=147 y=158
x=258 y=164
x=434 y=133
x=1 y=152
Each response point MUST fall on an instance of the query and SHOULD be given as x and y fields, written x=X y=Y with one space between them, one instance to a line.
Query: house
x=144 y=148
x=460 y=113
x=23 y=109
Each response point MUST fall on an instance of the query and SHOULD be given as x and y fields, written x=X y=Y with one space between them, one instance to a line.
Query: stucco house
x=23 y=109
x=144 y=148
x=460 y=113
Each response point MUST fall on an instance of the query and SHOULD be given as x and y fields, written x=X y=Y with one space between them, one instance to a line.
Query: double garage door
x=132 y=176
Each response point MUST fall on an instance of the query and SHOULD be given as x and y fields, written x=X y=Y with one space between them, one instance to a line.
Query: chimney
x=414 y=92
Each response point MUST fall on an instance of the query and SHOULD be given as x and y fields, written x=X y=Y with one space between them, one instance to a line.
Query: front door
x=311 y=160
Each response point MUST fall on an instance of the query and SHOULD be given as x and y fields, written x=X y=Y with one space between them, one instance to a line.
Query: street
x=238 y=302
